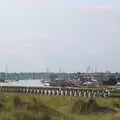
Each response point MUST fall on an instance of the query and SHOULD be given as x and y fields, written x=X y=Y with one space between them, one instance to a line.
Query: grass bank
x=36 y=107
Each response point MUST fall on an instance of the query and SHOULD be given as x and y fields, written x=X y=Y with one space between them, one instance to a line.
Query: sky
x=66 y=34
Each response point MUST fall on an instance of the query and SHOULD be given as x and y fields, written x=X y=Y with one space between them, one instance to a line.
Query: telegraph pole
x=47 y=73
x=60 y=70
x=6 y=70
x=88 y=74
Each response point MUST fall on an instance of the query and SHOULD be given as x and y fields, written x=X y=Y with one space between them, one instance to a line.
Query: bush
x=116 y=117
x=26 y=115
x=88 y=107
x=17 y=101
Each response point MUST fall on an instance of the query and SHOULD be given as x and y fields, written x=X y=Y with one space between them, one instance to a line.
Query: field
x=36 y=107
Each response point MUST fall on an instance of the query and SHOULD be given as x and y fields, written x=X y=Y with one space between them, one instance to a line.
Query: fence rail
x=62 y=91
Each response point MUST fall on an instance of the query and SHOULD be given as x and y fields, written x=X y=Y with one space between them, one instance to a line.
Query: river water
x=27 y=83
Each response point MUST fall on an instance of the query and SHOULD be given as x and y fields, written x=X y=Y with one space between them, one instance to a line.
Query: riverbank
x=36 y=107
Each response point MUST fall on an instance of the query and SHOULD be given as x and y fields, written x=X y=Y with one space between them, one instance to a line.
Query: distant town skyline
x=66 y=34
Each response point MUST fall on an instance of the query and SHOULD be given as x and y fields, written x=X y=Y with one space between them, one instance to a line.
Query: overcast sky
x=67 y=34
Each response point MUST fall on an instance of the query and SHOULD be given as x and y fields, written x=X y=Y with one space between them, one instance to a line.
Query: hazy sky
x=67 y=34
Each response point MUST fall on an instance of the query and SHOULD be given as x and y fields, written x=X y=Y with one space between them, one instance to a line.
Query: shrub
x=88 y=107
x=26 y=115
x=17 y=101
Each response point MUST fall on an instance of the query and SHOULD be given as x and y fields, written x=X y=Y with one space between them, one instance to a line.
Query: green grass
x=36 y=107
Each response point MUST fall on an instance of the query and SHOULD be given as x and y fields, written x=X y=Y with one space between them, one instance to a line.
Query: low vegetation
x=36 y=107
x=90 y=106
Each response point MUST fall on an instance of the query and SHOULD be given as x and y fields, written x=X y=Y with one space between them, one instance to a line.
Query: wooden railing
x=63 y=91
